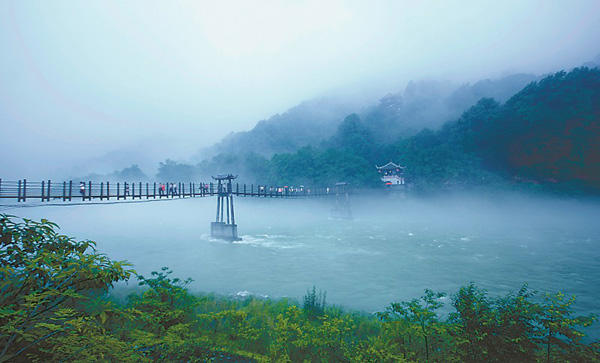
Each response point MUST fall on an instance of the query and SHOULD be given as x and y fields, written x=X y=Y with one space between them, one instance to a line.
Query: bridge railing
x=47 y=190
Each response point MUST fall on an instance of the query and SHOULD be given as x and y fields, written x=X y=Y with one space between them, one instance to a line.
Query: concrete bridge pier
x=224 y=226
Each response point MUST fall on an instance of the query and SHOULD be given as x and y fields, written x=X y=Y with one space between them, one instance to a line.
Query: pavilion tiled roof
x=389 y=165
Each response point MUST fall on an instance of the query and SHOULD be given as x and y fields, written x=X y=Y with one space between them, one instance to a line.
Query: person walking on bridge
x=82 y=189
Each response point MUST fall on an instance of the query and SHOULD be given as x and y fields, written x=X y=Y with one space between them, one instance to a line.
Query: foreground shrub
x=45 y=278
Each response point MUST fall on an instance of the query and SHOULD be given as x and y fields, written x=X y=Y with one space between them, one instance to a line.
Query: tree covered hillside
x=547 y=134
x=309 y=123
x=429 y=104
x=421 y=104
x=550 y=130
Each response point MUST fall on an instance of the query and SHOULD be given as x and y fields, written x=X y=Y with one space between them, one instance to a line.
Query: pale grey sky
x=79 y=79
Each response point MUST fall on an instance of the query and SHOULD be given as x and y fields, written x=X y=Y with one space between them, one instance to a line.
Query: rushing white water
x=392 y=250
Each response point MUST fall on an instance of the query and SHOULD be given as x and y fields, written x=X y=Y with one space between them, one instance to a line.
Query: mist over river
x=392 y=250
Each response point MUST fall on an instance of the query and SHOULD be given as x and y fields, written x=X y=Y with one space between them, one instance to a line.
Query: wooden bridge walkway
x=69 y=191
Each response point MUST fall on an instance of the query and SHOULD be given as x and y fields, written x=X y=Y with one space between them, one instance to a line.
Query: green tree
x=421 y=312
x=475 y=318
x=561 y=330
x=516 y=316
x=355 y=138
x=45 y=277
x=314 y=303
x=166 y=318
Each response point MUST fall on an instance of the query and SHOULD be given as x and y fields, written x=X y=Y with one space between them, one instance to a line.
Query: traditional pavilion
x=391 y=174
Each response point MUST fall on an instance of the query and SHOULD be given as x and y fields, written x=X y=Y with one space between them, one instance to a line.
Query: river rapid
x=392 y=250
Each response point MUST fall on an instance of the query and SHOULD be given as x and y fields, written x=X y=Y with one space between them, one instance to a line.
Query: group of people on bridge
x=171 y=189
x=164 y=189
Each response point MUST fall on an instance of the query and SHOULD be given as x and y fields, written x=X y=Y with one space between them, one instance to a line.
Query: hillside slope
x=421 y=104
x=547 y=134
x=305 y=124
x=429 y=104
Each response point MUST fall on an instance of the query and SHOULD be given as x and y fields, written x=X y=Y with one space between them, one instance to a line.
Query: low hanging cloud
x=87 y=86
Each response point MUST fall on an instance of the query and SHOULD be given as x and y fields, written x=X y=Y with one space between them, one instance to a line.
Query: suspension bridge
x=47 y=192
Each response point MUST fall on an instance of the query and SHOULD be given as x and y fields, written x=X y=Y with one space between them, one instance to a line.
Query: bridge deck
x=67 y=191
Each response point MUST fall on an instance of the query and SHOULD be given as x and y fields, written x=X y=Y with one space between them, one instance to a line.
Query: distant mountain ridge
x=308 y=123
x=422 y=104
x=429 y=104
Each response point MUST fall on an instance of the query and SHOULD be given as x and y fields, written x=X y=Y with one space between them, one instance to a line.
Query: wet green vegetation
x=56 y=304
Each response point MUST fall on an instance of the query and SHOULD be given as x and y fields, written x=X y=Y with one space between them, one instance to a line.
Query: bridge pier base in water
x=221 y=230
x=224 y=228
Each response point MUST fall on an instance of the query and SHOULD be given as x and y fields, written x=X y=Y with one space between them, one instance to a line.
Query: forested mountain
x=429 y=104
x=547 y=134
x=421 y=104
x=549 y=131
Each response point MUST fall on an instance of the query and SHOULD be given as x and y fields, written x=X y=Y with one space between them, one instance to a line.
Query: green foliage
x=354 y=137
x=310 y=166
x=491 y=329
x=44 y=278
x=419 y=317
x=314 y=303
x=516 y=328
x=560 y=330
x=54 y=307
x=548 y=133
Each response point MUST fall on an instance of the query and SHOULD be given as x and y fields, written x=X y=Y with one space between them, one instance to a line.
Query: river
x=392 y=250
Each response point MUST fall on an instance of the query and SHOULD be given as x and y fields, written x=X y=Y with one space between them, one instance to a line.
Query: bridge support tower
x=224 y=226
